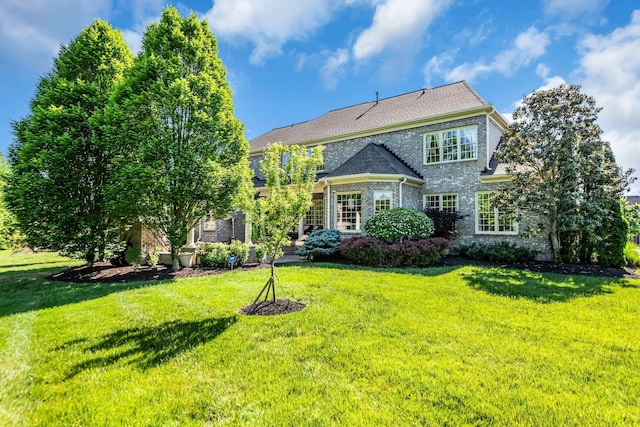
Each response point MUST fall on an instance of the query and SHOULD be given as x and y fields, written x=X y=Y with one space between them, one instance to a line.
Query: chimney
x=377 y=93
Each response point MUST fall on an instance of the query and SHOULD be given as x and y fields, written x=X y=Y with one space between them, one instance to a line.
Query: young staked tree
x=562 y=172
x=289 y=194
x=183 y=152
x=58 y=160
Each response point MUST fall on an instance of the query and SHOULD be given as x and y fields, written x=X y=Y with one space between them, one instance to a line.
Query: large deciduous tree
x=183 y=152
x=59 y=165
x=562 y=171
x=289 y=194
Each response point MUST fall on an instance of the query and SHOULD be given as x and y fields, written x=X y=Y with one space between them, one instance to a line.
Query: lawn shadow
x=537 y=287
x=422 y=271
x=147 y=346
x=30 y=292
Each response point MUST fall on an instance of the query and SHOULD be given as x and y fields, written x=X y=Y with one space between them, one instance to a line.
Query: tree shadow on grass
x=540 y=288
x=28 y=292
x=147 y=346
x=425 y=271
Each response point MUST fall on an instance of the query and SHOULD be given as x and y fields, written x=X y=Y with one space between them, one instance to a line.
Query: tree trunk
x=90 y=256
x=273 y=279
x=175 y=260
x=555 y=239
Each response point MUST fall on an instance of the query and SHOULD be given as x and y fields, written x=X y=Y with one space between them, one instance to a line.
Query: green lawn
x=442 y=346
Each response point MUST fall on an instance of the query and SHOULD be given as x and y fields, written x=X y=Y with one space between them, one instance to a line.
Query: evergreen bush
x=497 y=252
x=320 y=243
x=614 y=234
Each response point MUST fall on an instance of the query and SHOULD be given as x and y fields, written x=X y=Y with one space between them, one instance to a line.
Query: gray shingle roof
x=373 y=159
x=633 y=200
x=415 y=105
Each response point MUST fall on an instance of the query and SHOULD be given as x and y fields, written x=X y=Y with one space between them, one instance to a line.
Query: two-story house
x=428 y=148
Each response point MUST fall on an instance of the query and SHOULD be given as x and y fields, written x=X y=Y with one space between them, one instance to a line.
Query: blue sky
x=291 y=60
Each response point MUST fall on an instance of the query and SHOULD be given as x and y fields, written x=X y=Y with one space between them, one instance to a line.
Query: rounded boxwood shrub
x=398 y=224
x=320 y=243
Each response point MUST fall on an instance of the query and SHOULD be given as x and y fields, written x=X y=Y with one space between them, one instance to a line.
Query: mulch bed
x=271 y=308
x=549 y=267
x=104 y=272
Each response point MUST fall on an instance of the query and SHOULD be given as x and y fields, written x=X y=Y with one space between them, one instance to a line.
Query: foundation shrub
x=631 y=255
x=217 y=254
x=408 y=253
x=320 y=244
x=497 y=252
x=398 y=224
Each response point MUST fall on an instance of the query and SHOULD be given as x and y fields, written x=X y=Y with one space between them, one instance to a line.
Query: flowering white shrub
x=398 y=224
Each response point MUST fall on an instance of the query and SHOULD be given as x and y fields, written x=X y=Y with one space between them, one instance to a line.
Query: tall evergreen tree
x=562 y=172
x=10 y=235
x=183 y=152
x=59 y=165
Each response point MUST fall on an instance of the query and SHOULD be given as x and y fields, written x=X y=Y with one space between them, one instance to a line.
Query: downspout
x=400 y=192
x=486 y=138
x=328 y=214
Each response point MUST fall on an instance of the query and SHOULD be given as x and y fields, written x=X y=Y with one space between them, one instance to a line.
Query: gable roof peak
x=369 y=116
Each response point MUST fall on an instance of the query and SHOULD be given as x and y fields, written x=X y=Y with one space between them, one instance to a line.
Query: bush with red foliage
x=409 y=253
x=444 y=222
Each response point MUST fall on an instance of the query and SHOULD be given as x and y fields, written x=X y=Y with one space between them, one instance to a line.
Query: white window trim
x=425 y=195
x=440 y=142
x=495 y=218
x=335 y=212
x=205 y=223
x=387 y=192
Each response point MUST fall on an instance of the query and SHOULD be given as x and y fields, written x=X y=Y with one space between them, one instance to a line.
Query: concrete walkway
x=288 y=258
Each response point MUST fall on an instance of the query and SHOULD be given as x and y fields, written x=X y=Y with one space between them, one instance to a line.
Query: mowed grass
x=442 y=346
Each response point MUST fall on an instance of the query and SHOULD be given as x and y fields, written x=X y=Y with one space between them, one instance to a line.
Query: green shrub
x=631 y=254
x=153 y=257
x=320 y=243
x=497 y=252
x=398 y=224
x=217 y=254
x=614 y=232
x=408 y=253
x=133 y=256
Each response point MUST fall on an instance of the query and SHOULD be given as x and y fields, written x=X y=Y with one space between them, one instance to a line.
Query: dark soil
x=271 y=308
x=550 y=267
x=104 y=272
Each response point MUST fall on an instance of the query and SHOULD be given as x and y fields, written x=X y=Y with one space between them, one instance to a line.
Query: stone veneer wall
x=461 y=178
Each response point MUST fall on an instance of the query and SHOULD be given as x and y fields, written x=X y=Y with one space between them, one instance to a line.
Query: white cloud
x=528 y=46
x=549 y=81
x=31 y=32
x=333 y=67
x=269 y=24
x=133 y=39
x=437 y=66
x=569 y=9
x=397 y=25
x=610 y=66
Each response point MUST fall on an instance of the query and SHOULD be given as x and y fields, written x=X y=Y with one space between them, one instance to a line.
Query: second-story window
x=451 y=145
